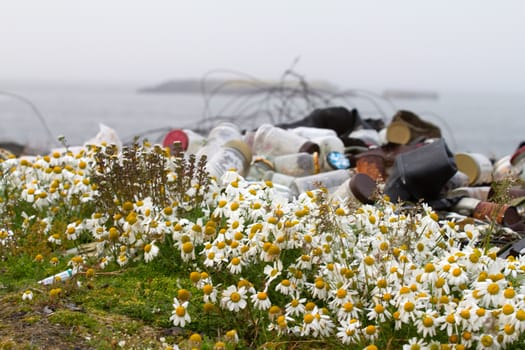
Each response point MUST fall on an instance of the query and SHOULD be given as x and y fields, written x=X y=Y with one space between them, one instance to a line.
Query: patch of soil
x=28 y=326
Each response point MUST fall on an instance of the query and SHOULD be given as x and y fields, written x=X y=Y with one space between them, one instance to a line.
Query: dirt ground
x=32 y=326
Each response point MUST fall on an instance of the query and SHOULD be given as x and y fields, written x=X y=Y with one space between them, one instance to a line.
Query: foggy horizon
x=432 y=46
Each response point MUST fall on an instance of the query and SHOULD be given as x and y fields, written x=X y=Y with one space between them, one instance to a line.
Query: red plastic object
x=176 y=135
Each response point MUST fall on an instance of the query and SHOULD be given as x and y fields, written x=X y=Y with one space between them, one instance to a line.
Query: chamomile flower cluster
x=43 y=186
x=359 y=277
x=306 y=268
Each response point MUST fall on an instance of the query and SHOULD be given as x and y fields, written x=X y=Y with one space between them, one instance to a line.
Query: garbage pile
x=360 y=159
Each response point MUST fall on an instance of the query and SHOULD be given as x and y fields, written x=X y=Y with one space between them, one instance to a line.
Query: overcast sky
x=446 y=44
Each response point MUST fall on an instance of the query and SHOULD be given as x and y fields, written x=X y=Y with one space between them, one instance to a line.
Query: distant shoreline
x=231 y=86
x=252 y=87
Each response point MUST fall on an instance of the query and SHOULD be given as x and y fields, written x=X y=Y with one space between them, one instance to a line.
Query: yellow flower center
x=235 y=297
x=308 y=318
x=319 y=284
x=195 y=276
x=428 y=321
x=180 y=311
x=187 y=247
x=369 y=260
x=379 y=308
x=509 y=293
x=196 y=338
x=409 y=306
x=341 y=293
x=493 y=289
x=274 y=309
x=465 y=314
x=370 y=330
x=348 y=306
x=486 y=340
x=430 y=268
x=508 y=329
x=507 y=309
x=207 y=289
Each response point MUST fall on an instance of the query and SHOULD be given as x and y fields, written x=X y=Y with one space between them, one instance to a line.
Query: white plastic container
x=329 y=180
x=280 y=179
x=195 y=141
x=270 y=140
x=248 y=137
x=297 y=164
x=312 y=132
x=466 y=206
x=235 y=154
x=328 y=144
x=62 y=276
x=477 y=192
x=217 y=137
x=258 y=169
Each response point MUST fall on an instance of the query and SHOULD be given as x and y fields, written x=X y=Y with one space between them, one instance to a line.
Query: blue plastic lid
x=337 y=160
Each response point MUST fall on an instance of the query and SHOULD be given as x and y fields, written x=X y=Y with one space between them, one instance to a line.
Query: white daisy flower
x=261 y=301
x=234 y=299
x=348 y=332
x=295 y=307
x=180 y=316
x=150 y=251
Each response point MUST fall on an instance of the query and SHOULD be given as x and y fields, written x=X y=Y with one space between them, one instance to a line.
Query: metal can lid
x=364 y=188
x=398 y=132
x=337 y=160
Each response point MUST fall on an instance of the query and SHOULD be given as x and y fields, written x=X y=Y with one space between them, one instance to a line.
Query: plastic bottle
x=330 y=180
x=328 y=144
x=278 y=178
x=217 y=137
x=234 y=154
x=312 y=132
x=270 y=140
x=476 y=192
x=258 y=168
x=297 y=164
x=62 y=276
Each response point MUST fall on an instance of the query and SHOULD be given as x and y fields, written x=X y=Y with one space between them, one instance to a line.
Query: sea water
x=38 y=113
